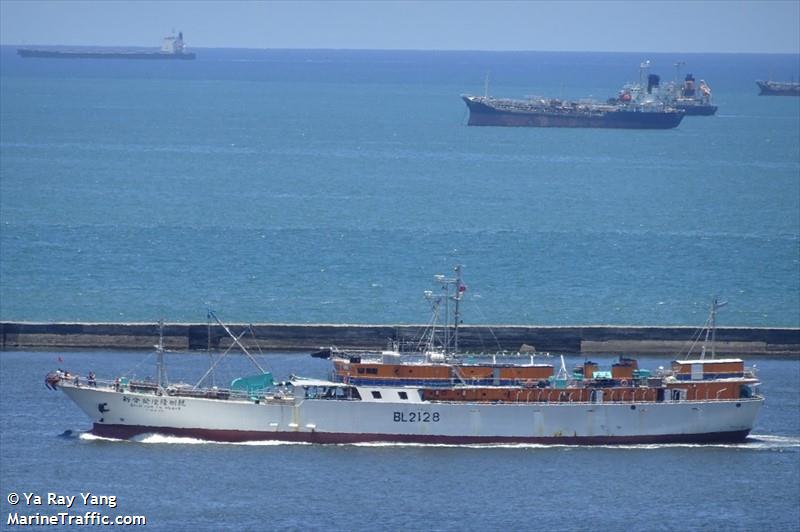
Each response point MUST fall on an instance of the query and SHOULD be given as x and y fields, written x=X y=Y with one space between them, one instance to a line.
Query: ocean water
x=186 y=484
x=330 y=186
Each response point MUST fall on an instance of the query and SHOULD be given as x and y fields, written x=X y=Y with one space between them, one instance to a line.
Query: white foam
x=455 y=445
x=753 y=442
x=88 y=436
x=181 y=440
x=153 y=438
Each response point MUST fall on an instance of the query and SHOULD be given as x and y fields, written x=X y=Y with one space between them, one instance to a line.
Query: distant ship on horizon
x=639 y=109
x=171 y=48
x=778 y=88
x=542 y=112
x=687 y=96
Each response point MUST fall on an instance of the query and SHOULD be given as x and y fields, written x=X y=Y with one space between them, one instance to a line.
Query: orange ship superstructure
x=694 y=380
x=442 y=374
x=411 y=372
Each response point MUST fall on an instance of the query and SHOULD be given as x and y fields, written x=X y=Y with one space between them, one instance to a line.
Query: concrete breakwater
x=740 y=341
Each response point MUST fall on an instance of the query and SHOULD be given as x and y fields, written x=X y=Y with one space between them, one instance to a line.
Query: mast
x=678 y=65
x=644 y=68
x=435 y=303
x=208 y=348
x=160 y=367
x=714 y=307
x=712 y=328
x=460 y=289
x=446 y=290
x=450 y=343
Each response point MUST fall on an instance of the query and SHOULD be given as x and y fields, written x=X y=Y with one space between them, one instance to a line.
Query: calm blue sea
x=330 y=186
x=183 y=484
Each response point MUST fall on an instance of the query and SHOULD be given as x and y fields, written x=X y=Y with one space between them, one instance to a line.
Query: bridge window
x=376 y=394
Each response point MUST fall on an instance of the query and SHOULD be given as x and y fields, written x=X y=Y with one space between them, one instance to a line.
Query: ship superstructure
x=690 y=96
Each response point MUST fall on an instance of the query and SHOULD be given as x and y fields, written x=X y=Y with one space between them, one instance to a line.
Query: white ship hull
x=127 y=414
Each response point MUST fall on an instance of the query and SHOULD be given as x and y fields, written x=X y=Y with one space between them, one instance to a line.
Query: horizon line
x=471 y=50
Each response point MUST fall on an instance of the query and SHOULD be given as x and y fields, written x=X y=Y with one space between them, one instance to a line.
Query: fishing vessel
x=172 y=47
x=697 y=400
x=778 y=88
x=698 y=404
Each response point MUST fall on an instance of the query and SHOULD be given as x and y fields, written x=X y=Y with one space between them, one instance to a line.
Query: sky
x=727 y=26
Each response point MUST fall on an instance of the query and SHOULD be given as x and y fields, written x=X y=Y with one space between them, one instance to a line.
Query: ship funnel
x=652 y=82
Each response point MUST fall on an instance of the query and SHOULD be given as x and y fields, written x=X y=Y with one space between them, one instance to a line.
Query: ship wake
x=154 y=438
x=755 y=442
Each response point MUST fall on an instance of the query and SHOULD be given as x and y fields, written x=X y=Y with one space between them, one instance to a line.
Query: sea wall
x=747 y=341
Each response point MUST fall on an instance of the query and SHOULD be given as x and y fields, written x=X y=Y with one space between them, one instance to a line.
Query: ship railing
x=750 y=372
x=83 y=381
x=403 y=381
x=755 y=397
x=175 y=390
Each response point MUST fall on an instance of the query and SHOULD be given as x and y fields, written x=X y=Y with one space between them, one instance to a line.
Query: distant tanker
x=778 y=88
x=172 y=48
x=486 y=111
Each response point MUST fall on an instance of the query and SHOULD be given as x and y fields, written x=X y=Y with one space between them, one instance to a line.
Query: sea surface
x=187 y=484
x=330 y=186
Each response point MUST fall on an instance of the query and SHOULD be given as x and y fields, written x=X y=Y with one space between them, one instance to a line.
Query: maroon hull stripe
x=129 y=431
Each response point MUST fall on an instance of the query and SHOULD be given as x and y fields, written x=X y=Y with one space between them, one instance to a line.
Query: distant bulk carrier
x=778 y=88
x=171 y=48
